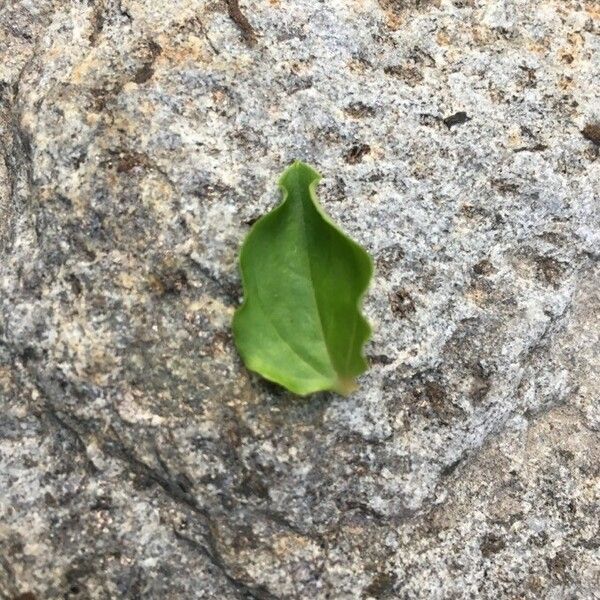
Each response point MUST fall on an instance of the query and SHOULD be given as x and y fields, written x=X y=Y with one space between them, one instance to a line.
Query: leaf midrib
x=263 y=307
x=312 y=279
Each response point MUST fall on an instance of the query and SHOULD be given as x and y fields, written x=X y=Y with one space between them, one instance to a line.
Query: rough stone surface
x=458 y=143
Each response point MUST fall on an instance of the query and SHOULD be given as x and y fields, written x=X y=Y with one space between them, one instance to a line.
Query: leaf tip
x=299 y=170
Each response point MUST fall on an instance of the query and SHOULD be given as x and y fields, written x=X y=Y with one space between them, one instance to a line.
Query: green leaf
x=300 y=324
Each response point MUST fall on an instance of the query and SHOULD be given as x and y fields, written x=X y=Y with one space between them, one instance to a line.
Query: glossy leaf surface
x=300 y=324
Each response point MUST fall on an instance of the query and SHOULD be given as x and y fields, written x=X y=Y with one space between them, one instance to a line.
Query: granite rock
x=139 y=141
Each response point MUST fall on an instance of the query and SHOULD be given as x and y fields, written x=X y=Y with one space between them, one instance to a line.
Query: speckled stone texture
x=459 y=143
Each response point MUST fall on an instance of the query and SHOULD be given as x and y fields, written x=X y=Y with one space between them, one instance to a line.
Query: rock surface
x=138 y=458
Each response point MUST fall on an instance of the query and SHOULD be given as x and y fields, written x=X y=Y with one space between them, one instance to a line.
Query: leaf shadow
x=290 y=406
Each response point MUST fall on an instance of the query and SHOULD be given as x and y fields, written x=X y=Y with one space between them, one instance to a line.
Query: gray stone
x=139 y=459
